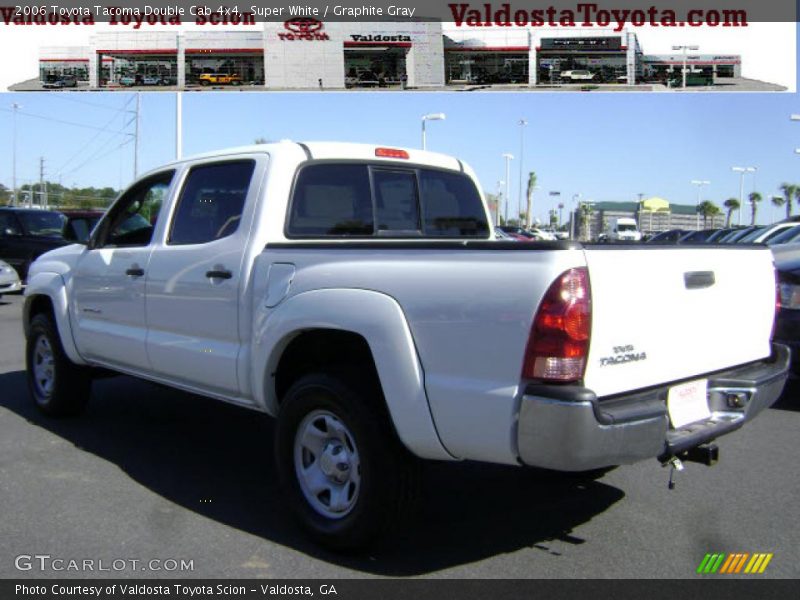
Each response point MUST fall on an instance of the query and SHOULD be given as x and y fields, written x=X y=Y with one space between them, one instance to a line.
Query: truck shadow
x=216 y=460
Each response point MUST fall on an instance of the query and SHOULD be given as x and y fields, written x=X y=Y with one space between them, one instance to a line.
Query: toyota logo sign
x=303 y=25
x=303 y=28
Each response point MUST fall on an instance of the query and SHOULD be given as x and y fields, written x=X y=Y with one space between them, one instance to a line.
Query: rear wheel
x=346 y=475
x=58 y=386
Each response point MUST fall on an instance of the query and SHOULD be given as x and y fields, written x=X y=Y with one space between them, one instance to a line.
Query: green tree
x=709 y=210
x=731 y=204
x=778 y=201
x=531 y=187
x=755 y=198
x=789 y=190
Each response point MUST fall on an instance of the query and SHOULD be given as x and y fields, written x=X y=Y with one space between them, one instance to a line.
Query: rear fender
x=377 y=318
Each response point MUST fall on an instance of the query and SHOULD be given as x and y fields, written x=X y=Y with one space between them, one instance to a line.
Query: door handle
x=135 y=272
x=219 y=274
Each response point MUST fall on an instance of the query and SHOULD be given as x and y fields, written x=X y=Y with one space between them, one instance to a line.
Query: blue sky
x=604 y=146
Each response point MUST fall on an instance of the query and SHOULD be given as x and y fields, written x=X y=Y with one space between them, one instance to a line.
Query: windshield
x=42 y=224
x=624 y=227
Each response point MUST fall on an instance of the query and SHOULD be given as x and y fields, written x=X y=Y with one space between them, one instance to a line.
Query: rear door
x=193 y=282
x=665 y=314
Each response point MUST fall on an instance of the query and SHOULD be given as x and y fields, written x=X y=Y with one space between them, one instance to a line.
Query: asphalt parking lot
x=149 y=473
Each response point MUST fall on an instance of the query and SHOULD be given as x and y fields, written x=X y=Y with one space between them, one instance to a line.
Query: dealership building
x=309 y=54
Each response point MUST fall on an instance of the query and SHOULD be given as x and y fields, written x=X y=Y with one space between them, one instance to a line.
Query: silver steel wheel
x=327 y=464
x=44 y=372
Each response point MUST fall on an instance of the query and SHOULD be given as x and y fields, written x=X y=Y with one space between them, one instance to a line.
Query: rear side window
x=452 y=206
x=346 y=200
x=332 y=200
x=211 y=202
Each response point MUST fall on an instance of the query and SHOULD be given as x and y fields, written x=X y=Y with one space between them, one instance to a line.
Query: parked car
x=715 y=237
x=577 y=75
x=670 y=236
x=764 y=235
x=787 y=324
x=27 y=233
x=9 y=279
x=786 y=235
x=697 y=237
x=356 y=294
x=151 y=80
x=501 y=235
x=731 y=235
x=219 y=79
x=60 y=82
x=127 y=81
x=520 y=233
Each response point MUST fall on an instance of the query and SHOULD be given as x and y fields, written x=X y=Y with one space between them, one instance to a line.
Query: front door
x=109 y=280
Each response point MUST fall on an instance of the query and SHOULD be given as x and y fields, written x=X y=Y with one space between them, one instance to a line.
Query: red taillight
x=391 y=153
x=559 y=338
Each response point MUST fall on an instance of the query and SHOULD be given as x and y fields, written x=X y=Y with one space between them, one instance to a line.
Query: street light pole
x=685 y=58
x=178 y=125
x=699 y=183
x=742 y=171
x=136 y=136
x=509 y=158
x=522 y=124
x=500 y=184
x=14 y=107
x=576 y=199
x=430 y=117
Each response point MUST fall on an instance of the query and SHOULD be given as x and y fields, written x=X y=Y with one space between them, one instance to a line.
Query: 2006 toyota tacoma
x=357 y=294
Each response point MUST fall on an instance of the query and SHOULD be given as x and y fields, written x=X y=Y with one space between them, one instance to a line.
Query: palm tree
x=778 y=201
x=755 y=198
x=789 y=192
x=708 y=209
x=731 y=204
x=531 y=187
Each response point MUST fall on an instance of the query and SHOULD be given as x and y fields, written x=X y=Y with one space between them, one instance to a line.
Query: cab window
x=132 y=219
x=211 y=202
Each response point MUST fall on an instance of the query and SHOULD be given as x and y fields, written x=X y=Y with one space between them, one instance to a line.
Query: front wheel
x=346 y=475
x=58 y=386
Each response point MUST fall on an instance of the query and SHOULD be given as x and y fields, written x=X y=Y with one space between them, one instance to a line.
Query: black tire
x=389 y=475
x=70 y=384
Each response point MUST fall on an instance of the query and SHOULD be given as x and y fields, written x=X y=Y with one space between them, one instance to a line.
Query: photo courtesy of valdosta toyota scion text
x=364 y=299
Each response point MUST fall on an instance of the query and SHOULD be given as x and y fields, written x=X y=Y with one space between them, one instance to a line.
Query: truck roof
x=336 y=150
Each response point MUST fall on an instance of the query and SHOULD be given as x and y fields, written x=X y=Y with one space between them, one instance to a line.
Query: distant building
x=653 y=215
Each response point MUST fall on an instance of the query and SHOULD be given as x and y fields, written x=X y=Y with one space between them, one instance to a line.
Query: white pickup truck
x=356 y=294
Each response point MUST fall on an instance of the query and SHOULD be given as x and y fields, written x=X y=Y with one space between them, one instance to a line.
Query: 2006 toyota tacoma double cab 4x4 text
x=357 y=294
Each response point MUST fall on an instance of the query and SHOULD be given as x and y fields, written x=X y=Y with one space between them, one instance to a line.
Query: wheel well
x=37 y=305
x=324 y=350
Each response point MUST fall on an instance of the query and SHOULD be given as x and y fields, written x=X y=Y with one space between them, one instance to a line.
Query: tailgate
x=666 y=314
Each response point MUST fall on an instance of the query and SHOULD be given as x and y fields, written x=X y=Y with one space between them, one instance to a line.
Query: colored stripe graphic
x=741 y=562
x=703 y=563
x=764 y=564
x=728 y=563
x=736 y=562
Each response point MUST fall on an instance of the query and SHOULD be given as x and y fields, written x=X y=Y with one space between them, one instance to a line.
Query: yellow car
x=219 y=79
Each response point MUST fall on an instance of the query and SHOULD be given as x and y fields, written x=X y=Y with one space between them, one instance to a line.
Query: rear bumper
x=569 y=429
